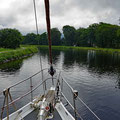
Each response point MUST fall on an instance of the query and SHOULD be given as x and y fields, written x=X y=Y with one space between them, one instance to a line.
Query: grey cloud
x=58 y=8
x=95 y=5
x=19 y=13
x=7 y=20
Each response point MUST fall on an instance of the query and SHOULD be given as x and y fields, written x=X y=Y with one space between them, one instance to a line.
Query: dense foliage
x=55 y=36
x=10 y=38
x=69 y=35
x=33 y=39
x=96 y=35
x=99 y=35
x=30 y=39
x=106 y=36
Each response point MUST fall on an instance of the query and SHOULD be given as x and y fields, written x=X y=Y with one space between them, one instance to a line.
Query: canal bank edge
x=23 y=52
x=110 y=50
x=29 y=50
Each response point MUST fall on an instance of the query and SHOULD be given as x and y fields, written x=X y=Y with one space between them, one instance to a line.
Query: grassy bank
x=83 y=48
x=7 y=55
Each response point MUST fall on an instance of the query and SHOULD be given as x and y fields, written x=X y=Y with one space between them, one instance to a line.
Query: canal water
x=95 y=74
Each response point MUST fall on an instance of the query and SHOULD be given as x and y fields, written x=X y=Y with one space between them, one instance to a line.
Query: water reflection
x=55 y=54
x=96 y=61
x=103 y=62
x=75 y=56
x=94 y=74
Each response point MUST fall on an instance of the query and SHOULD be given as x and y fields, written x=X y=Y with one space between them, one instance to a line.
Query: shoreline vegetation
x=83 y=48
x=97 y=36
x=7 y=55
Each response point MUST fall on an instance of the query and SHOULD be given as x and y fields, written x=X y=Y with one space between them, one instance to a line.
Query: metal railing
x=7 y=95
x=74 y=101
x=59 y=79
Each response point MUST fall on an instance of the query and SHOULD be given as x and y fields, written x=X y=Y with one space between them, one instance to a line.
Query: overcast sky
x=78 y=13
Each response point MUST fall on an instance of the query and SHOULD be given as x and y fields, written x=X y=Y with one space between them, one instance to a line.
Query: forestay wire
x=37 y=31
x=35 y=17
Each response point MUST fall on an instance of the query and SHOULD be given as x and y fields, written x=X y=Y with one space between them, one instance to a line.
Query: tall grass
x=11 y=54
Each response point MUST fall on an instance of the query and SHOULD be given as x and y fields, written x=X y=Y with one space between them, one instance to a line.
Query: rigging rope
x=35 y=17
x=37 y=31
x=48 y=28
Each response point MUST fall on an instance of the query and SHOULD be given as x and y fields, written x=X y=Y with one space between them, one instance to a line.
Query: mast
x=47 y=6
x=47 y=10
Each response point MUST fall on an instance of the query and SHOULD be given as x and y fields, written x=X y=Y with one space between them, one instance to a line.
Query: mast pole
x=48 y=28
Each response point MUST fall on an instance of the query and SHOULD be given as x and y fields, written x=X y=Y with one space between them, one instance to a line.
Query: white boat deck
x=33 y=116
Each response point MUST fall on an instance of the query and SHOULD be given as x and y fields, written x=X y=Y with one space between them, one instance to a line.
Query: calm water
x=96 y=76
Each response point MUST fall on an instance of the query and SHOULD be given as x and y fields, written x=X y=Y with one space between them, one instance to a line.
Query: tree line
x=42 y=39
x=101 y=34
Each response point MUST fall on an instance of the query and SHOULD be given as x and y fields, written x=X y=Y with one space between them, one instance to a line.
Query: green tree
x=106 y=35
x=69 y=34
x=10 y=38
x=55 y=36
x=118 y=38
x=30 y=39
x=43 y=39
x=91 y=33
x=82 y=37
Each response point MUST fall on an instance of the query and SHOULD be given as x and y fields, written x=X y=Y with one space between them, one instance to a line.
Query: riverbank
x=7 y=55
x=82 y=48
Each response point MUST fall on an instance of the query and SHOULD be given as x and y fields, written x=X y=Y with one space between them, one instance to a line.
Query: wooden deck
x=50 y=96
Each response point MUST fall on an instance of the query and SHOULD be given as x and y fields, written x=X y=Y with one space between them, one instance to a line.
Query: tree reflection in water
x=98 y=62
